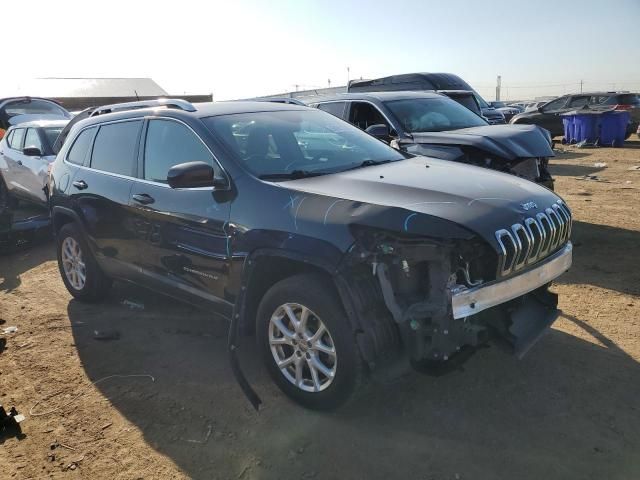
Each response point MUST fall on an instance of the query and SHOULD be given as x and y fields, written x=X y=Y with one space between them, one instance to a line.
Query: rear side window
x=170 y=143
x=16 y=139
x=334 y=108
x=9 y=137
x=78 y=152
x=626 y=99
x=114 y=149
x=577 y=102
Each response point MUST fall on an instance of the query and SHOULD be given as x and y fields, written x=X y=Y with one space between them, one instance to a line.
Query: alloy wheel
x=302 y=347
x=73 y=263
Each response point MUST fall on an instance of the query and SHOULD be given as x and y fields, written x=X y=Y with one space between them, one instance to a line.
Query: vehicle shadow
x=567 y=154
x=28 y=257
x=568 y=410
x=569 y=170
x=603 y=256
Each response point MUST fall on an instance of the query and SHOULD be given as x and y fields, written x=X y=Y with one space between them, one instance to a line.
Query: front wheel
x=307 y=343
x=80 y=272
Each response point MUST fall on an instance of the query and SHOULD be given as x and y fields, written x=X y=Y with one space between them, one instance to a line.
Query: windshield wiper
x=294 y=175
x=370 y=163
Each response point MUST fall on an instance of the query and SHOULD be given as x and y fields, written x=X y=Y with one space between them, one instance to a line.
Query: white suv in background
x=26 y=152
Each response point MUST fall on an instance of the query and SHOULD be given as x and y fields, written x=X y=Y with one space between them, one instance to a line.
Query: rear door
x=100 y=193
x=181 y=234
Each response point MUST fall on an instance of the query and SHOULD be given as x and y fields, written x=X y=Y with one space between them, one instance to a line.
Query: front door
x=35 y=167
x=550 y=117
x=181 y=234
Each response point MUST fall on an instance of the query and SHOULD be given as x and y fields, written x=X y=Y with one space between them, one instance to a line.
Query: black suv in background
x=424 y=123
x=446 y=83
x=549 y=115
x=337 y=250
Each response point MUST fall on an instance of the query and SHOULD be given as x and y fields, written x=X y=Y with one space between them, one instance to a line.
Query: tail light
x=623 y=107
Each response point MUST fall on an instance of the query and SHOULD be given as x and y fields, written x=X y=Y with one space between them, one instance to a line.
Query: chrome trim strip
x=471 y=301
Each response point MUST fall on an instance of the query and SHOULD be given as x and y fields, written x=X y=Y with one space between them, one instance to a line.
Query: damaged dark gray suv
x=338 y=251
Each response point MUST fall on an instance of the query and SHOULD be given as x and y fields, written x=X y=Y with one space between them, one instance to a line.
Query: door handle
x=80 y=184
x=143 y=198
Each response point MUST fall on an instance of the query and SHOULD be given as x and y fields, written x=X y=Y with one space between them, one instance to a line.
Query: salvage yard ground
x=569 y=410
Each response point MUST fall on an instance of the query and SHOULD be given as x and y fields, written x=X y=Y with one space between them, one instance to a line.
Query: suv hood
x=416 y=195
x=505 y=141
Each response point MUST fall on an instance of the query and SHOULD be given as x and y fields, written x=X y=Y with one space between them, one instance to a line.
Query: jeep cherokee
x=337 y=250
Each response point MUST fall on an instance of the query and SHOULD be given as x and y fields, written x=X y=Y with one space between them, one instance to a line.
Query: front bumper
x=466 y=302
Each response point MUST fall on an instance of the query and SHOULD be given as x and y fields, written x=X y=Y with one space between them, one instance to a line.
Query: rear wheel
x=80 y=273
x=307 y=343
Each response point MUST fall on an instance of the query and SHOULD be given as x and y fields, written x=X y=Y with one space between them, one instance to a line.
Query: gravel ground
x=569 y=410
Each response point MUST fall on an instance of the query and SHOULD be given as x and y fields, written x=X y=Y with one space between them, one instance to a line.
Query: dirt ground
x=569 y=410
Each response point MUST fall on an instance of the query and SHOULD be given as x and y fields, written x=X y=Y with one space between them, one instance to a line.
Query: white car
x=26 y=151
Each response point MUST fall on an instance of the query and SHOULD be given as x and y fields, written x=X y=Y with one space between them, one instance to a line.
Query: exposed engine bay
x=418 y=280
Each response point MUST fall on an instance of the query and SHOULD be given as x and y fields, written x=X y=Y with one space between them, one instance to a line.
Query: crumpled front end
x=521 y=150
x=448 y=297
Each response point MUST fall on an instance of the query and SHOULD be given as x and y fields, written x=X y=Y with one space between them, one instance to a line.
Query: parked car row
x=548 y=115
x=338 y=251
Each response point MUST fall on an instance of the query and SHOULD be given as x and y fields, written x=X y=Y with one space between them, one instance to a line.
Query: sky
x=245 y=48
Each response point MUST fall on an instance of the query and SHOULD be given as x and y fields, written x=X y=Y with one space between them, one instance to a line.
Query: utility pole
x=347 y=75
x=329 y=82
x=498 y=85
x=581 y=82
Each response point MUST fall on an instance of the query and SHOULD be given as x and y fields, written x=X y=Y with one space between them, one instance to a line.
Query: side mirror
x=540 y=109
x=193 y=175
x=32 y=152
x=380 y=131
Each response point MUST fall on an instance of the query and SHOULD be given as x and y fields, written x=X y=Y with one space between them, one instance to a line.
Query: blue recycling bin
x=613 y=128
x=569 y=126
x=581 y=126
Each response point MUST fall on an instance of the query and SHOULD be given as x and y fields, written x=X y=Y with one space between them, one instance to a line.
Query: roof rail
x=160 y=102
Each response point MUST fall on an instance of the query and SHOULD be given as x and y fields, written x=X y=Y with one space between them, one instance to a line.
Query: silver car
x=25 y=155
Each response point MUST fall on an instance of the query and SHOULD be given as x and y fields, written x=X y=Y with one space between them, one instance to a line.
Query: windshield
x=34 y=107
x=433 y=115
x=287 y=142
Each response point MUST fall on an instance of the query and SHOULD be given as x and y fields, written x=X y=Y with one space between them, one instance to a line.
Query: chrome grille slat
x=553 y=216
x=537 y=237
x=535 y=246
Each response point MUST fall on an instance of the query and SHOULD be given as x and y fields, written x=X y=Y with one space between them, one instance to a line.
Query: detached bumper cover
x=468 y=302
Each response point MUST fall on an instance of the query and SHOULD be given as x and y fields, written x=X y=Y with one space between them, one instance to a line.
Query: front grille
x=536 y=238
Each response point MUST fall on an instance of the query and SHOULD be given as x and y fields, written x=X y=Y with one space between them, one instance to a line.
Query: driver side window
x=363 y=115
x=556 y=104
x=170 y=143
x=32 y=139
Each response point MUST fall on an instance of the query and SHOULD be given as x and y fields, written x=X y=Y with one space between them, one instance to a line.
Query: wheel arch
x=264 y=268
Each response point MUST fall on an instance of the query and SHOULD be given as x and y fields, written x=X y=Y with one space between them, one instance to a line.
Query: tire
x=317 y=295
x=74 y=260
